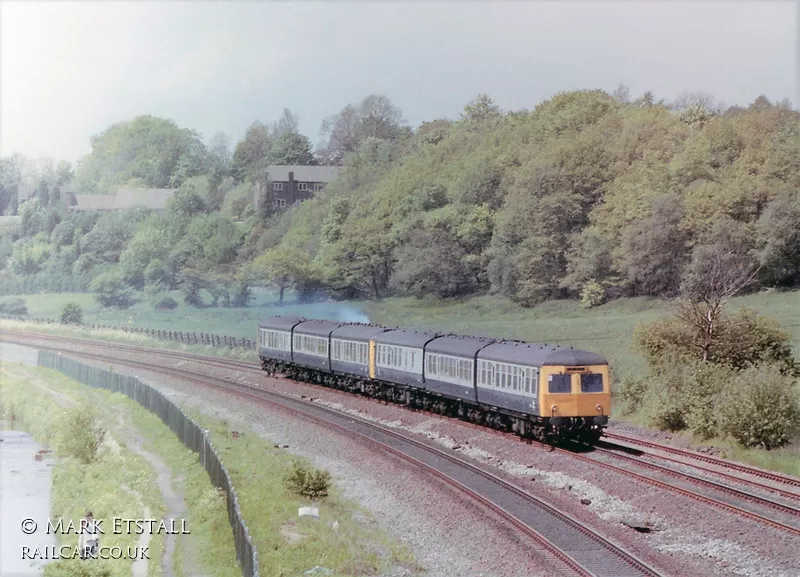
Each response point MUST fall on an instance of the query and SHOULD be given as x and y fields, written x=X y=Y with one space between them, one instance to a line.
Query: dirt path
x=176 y=506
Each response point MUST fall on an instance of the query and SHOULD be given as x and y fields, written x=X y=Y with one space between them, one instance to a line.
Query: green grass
x=99 y=485
x=236 y=322
x=118 y=336
x=606 y=330
x=257 y=471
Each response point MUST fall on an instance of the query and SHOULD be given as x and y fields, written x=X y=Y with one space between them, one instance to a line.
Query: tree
x=154 y=150
x=779 y=240
x=292 y=148
x=374 y=117
x=251 y=155
x=481 y=109
x=283 y=267
x=64 y=173
x=715 y=274
x=288 y=122
x=655 y=249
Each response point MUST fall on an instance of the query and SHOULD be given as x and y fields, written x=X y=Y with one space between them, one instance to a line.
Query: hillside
x=586 y=196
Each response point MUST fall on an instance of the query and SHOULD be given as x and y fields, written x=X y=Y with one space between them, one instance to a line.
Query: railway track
x=566 y=539
x=742 y=503
x=695 y=456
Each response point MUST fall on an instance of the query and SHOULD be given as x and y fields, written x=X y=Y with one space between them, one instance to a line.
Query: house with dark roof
x=149 y=198
x=292 y=184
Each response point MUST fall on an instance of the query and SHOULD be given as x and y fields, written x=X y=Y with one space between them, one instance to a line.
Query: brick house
x=290 y=185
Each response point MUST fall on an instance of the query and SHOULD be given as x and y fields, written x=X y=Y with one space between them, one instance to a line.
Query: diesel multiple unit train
x=537 y=391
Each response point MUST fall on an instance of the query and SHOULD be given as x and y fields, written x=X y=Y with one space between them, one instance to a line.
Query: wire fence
x=189 y=432
x=185 y=337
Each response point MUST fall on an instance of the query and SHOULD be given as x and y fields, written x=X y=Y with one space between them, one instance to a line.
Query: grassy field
x=286 y=544
x=606 y=330
x=237 y=322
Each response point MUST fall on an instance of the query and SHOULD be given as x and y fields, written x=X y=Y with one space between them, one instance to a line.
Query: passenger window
x=592 y=383
x=560 y=383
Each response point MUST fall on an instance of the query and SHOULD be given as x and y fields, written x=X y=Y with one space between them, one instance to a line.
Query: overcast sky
x=69 y=70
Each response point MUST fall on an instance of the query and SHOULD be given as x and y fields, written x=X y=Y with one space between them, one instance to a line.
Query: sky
x=70 y=70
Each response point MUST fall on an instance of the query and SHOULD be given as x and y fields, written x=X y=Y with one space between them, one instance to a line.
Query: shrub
x=14 y=307
x=166 y=303
x=80 y=435
x=308 y=482
x=592 y=295
x=71 y=314
x=632 y=392
x=111 y=291
x=760 y=407
x=742 y=340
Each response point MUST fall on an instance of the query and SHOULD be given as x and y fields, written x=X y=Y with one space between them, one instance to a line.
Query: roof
x=154 y=198
x=281 y=172
x=457 y=346
x=407 y=338
x=94 y=202
x=281 y=323
x=321 y=328
x=357 y=332
x=535 y=354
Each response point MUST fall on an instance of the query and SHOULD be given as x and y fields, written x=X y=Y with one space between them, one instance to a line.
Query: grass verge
x=114 y=336
x=103 y=485
x=288 y=545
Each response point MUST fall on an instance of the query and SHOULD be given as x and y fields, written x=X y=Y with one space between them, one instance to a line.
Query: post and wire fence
x=189 y=432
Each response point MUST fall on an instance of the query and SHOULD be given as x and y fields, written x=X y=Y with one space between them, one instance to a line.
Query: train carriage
x=450 y=366
x=508 y=376
x=275 y=338
x=399 y=356
x=311 y=344
x=350 y=349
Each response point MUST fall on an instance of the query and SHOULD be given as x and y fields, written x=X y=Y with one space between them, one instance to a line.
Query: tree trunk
x=280 y=301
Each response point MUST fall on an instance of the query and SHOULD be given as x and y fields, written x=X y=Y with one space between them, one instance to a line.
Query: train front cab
x=575 y=397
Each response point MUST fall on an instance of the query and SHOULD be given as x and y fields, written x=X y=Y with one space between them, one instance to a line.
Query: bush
x=80 y=435
x=760 y=407
x=592 y=295
x=111 y=291
x=742 y=340
x=71 y=314
x=632 y=393
x=166 y=303
x=307 y=482
x=14 y=307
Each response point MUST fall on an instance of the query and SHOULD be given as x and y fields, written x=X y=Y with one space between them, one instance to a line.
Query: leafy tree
x=251 y=155
x=292 y=148
x=283 y=267
x=779 y=240
x=759 y=408
x=655 y=249
x=152 y=149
